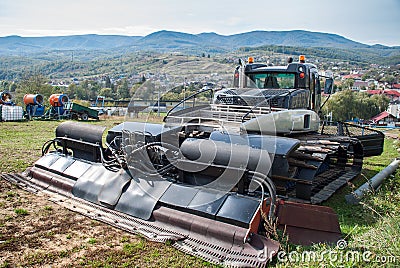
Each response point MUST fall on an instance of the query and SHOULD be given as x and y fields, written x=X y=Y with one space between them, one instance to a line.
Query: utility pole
x=184 y=92
x=72 y=62
x=158 y=103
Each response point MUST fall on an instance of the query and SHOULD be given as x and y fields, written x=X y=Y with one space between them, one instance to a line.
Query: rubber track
x=328 y=182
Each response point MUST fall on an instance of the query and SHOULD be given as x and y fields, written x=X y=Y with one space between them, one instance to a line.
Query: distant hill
x=88 y=55
x=175 y=41
x=284 y=38
x=26 y=45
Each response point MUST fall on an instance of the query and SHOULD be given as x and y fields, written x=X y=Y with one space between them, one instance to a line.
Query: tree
x=372 y=86
x=4 y=85
x=123 y=89
x=108 y=82
x=389 y=79
x=134 y=88
x=365 y=77
x=34 y=84
x=346 y=105
x=381 y=102
x=71 y=91
x=348 y=83
x=12 y=87
x=89 y=89
x=106 y=92
x=80 y=93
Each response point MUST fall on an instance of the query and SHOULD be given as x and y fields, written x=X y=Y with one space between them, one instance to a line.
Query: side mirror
x=328 y=86
x=236 y=77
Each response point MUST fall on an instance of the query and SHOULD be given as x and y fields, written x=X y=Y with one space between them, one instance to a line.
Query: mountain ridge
x=166 y=40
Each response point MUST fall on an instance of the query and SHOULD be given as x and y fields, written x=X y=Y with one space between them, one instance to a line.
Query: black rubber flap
x=62 y=164
x=89 y=185
x=77 y=169
x=47 y=160
x=216 y=242
x=141 y=196
x=198 y=200
x=207 y=202
x=133 y=196
x=113 y=187
x=238 y=210
x=179 y=195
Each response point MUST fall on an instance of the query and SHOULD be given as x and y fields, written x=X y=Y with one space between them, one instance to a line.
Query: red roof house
x=383 y=118
x=396 y=86
x=393 y=95
x=374 y=91
x=352 y=76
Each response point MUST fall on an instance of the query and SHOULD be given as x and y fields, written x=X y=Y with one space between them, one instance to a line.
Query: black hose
x=271 y=188
x=146 y=169
x=47 y=144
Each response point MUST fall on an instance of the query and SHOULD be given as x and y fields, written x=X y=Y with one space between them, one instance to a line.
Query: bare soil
x=35 y=232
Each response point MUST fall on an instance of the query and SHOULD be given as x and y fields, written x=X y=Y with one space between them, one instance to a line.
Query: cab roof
x=290 y=68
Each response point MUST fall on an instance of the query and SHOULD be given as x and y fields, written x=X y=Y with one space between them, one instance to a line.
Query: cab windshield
x=274 y=80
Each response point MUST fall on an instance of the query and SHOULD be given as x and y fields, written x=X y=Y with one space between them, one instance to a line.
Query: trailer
x=77 y=111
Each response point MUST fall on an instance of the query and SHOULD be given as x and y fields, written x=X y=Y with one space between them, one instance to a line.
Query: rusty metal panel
x=61 y=183
x=308 y=237
x=307 y=224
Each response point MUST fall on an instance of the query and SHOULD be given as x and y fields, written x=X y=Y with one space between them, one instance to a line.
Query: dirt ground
x=35 y=232
x=49 y=232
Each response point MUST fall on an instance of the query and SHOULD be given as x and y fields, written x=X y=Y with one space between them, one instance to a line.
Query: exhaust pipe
x=373 y=183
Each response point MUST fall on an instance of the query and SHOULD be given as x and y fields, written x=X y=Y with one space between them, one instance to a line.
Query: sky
x=365 y=21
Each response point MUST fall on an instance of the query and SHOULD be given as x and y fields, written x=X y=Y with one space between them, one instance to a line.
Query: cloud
x=137 y=30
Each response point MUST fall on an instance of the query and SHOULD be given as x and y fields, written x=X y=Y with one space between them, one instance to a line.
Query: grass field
x=35 y=232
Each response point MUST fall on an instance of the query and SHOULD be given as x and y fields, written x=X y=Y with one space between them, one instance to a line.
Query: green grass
x=48 y=208
x=372 y=226
x=92 y=241
x=21 y=211
x=131 y=248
